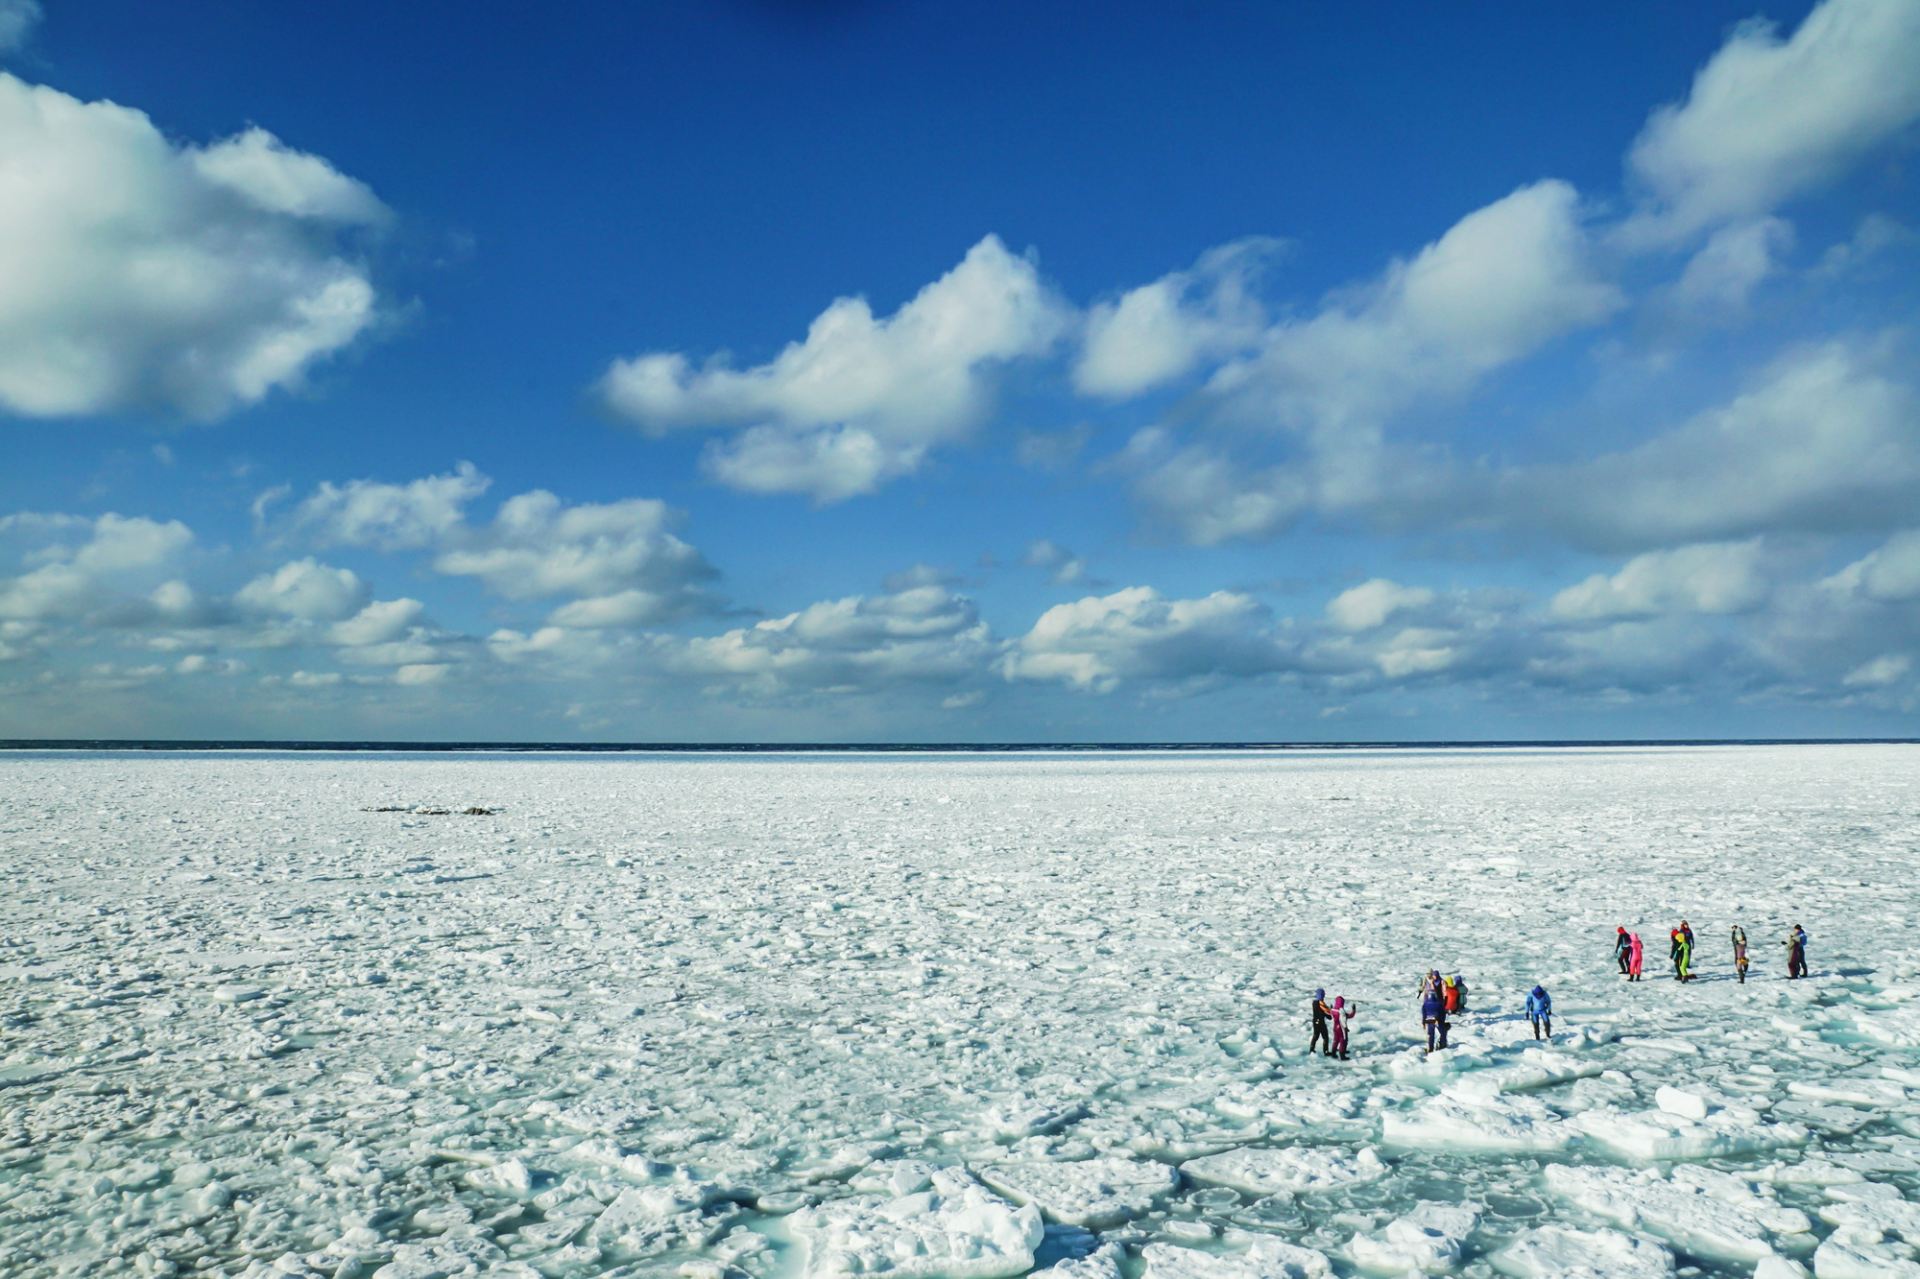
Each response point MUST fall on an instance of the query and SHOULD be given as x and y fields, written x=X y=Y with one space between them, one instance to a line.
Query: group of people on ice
x=1629 y=952
x=1441 y=997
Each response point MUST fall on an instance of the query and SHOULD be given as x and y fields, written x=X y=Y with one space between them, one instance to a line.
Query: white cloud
x=273 y=177
x=1497 y=286
x=922 y=634
x=1134 y=634
x=1370 y=604
x=1880 y=672
x=134 y=272
x=71 y=581
x=1821 y=441
x=1713 y=577
x=1732 y=263
x=1153 y=334
x=391 y=516
x=537 y=547
x=18 y=18
x=1502 y=282
x=1768 y=119
x=861 y=399
x=380 y=622
x=305 y=589
x=419 y=673
x=1890 y=572
x=1062 y=565
x=314 y=679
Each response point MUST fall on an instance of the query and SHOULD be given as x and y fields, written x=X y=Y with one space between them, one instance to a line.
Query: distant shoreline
x=902 y=748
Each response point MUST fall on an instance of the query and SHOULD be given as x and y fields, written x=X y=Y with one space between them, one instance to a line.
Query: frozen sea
x=805 y=1017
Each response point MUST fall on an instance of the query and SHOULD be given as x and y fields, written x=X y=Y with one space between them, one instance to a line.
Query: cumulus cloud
x=1062 y=566
x=620 y=558
x=137 y=272
x=1135 y=634
x=1732 y=264
x=390 y=517
x=1890 y=572
x=1370 y=604
x=1768 y=119
x=1824 y=440
x=1502 y=282
x=75 y=580
x=861 y=643
x=1888 y=668
x=1716 y=577
x=305 y=589
x=862 y=398
x=1158 y=332
x=381 y=622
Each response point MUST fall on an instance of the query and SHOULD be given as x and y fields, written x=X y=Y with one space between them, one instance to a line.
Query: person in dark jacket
x=1320 y=1035
x=1740 y=953
x=1622 y=948
x=1540 y=1012
x=1797 y=952
x=1433 y=1012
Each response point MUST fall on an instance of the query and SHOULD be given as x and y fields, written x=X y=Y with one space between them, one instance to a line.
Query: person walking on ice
x=1740 y=953
x=1540 y=1012
x=1341 y=1013
x=1623 y=949
x=1321 y=1014
x=1433 y=1013
x=1682 y=953
x=1638 y=957
x=1796 y=944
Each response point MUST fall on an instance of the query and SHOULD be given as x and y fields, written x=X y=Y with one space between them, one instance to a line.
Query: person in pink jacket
x=1636 y=954
x=1338 y=1016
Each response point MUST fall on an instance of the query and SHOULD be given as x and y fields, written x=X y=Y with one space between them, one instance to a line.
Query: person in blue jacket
x=1433 y=1012
x=1540 y=1012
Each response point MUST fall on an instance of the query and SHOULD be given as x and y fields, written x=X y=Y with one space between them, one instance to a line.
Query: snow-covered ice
x=953 y=1017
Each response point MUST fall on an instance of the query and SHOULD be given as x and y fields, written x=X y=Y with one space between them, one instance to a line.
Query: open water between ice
x=961 y=1017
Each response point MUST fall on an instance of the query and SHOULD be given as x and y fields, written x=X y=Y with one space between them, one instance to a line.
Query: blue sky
x=854 y=372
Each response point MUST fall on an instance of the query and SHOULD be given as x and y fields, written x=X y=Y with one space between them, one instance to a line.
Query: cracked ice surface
x=957 y=1017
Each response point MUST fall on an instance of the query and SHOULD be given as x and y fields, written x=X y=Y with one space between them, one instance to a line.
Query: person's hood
x=1319 y=994
x=1340 y=1002
x=1539 y=990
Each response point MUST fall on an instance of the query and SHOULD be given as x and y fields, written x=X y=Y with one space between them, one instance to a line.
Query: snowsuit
x=1740 y=953
x=1623 y=950
x=1451 y=993
x=1320 y=1038
x=1638 y=958
x=1682 y=956
x=1341 y=1013
x=1433 y=1011
x=1797 y=952
x=1540 y=1012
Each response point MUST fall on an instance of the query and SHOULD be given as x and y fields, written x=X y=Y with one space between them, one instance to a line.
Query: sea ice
x=956 y=1230
x=1289 y=1169
x=1561 y=1252
x=1089 y=1192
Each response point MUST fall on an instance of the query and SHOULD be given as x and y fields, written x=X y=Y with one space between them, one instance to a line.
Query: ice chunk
x=1296 y=1169
x=1878 y=1239
x=1427 y=1240
x=1096 y=1193
x=1660 y=1134
x=1265 y=1258
x=1713 y=1215
x=956 y=1230
x=1493 y=1125
x=1560 y=1252
x=1678 y=1101
x=1104 y=1263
